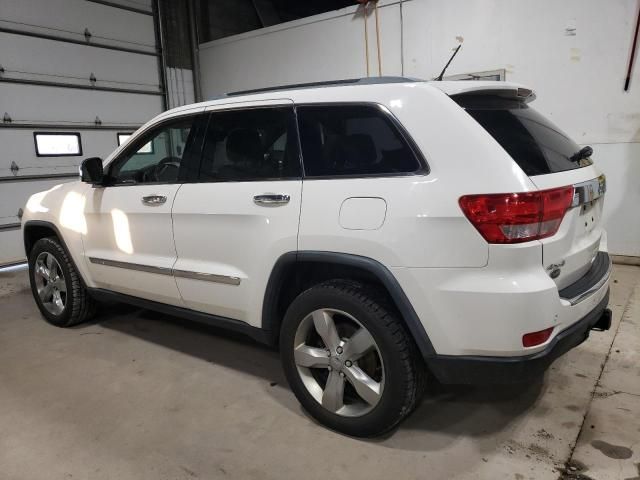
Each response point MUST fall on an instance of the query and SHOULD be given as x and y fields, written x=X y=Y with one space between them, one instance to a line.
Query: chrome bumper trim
x=605 y=278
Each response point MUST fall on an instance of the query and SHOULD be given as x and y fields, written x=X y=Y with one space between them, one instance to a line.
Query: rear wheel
x=349 y=360
x=56 y=285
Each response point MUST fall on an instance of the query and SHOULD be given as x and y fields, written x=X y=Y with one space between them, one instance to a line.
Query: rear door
x=550 y=159
x=242 y=214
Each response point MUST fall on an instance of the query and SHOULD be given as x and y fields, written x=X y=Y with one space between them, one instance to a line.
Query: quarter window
x=155 y=157
x=251 y=144
x=352 y=140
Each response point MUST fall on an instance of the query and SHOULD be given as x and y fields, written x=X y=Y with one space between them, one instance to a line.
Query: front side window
x=352 y=140
x=156 y=156
x=251 y=144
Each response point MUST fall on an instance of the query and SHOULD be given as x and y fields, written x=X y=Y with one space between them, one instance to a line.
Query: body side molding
x=205 y=277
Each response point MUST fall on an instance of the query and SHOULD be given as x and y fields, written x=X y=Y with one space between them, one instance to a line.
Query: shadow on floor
x=447 y=414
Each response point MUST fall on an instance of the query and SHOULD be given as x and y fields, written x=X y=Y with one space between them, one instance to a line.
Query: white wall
x=574 y=53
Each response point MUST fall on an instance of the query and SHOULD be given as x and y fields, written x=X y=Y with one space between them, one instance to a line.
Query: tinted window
x=252 y=144
x=352 y=140
x=156 y=156
x=536 y=144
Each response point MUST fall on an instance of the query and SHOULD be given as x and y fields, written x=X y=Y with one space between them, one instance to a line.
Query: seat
x=244 y=154
x=355 y=152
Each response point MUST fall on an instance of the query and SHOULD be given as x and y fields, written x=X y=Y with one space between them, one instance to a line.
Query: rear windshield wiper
x=584 y=152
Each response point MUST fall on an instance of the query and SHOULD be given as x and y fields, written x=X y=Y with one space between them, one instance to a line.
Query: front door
x=129 y=241
x=232 y=225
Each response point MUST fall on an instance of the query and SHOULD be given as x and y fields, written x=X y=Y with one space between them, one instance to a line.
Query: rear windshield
x=536 y=144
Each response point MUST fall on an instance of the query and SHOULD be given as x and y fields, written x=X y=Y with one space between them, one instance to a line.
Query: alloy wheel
x=339 y=362
x=50 y=283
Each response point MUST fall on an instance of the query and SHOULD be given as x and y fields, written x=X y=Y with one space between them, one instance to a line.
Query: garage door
x=75 y=77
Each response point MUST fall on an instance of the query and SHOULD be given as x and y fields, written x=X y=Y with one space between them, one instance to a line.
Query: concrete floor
x=136 y=395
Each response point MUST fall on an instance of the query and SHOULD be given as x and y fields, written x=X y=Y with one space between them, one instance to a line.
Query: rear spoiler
x=522 y=94
x=507 y=90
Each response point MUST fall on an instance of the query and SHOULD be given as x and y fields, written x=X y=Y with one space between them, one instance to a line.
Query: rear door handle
x=269 y=199
x=154 y=200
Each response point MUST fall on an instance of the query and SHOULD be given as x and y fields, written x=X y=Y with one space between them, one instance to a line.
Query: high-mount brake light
x=517 y=217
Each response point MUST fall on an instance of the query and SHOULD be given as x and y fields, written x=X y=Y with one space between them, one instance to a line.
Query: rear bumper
x=591 y=282
x=453 y=369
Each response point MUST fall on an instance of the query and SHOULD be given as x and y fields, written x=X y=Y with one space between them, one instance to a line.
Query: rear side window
x=352 y=140
x=251 y=144
x=536 y=144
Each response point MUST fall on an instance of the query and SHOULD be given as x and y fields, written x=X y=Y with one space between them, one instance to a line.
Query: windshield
x=536 y=144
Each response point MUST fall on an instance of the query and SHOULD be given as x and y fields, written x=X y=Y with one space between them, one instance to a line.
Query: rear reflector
x=517 y=217
x=536 y=338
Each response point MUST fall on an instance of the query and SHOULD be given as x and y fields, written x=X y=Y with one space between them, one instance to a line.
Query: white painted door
x=231 y=228
x=129 y=241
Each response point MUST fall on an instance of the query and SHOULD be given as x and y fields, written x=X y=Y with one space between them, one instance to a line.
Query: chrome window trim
x=207 y=277
x=586 y=192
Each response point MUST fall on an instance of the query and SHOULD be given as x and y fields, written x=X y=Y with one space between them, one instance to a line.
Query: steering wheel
x=166 y=170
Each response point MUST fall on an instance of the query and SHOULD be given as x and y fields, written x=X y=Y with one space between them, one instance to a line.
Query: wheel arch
x=295 y=271
x=34 y=230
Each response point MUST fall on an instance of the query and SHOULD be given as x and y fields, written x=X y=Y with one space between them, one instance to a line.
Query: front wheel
x=56 y=286
x=349 y=360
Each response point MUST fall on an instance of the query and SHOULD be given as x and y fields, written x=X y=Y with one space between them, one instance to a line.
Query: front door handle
x=270 y=199
x=154 y=200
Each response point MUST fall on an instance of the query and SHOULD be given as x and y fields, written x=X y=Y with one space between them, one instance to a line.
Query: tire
x=65 y=302
x=373 y=404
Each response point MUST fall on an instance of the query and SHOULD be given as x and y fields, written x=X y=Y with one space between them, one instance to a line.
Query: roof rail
x=330 y=83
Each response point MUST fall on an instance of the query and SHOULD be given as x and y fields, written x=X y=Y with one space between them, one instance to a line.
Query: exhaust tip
x=604 y=322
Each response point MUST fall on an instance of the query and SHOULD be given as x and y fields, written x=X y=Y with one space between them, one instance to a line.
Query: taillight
x=517 y=217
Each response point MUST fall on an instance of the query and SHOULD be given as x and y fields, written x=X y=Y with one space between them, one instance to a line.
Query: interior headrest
x=353 y=151
x=244 y=145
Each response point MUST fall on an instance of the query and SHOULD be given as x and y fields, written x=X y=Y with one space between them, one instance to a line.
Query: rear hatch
x=551 y=160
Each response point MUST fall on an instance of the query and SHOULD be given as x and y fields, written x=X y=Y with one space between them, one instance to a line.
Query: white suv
x=375 y=229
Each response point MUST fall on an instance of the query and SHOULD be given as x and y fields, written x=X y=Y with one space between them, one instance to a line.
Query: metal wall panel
x=11 y=246
x=47 y=85
x=18 y=147
x=70 y=18
x=48 y=104
x=50 y=60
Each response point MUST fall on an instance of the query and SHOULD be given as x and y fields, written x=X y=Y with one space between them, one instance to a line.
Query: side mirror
x=91 y=171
